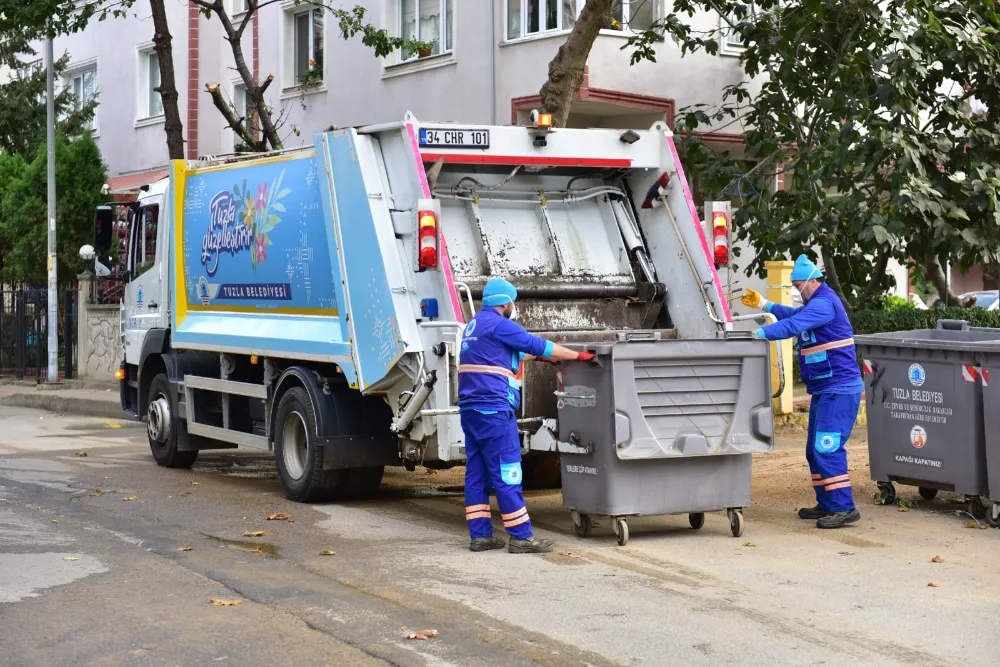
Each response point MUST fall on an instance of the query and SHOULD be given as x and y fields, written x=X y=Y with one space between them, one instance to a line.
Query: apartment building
x=489 y=60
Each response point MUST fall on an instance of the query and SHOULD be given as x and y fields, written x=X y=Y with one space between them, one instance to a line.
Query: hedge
x=908 y=319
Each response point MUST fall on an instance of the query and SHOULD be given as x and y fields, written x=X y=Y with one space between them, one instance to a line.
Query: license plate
x=451 y=138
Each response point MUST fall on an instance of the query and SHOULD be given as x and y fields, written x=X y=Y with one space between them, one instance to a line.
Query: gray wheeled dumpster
x=990 y=364
x=924 y=397
x=655 y=427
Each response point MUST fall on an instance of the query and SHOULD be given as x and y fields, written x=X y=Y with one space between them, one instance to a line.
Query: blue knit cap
x=805 y=270
x=498 y=292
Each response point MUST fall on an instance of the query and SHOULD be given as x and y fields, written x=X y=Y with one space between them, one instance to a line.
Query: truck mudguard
x=352 y=429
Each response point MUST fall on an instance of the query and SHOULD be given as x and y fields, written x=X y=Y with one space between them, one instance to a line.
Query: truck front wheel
x=300 y=460
x=161 y=427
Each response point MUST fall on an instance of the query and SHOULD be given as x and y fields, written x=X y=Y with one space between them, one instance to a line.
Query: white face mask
x=513 y=312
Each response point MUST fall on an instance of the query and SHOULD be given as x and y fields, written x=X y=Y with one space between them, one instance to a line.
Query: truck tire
x=541 y=471
x=161 y=427
x=300 y=460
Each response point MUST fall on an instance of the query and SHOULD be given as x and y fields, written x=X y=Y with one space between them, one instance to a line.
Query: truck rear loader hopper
x=312 y=302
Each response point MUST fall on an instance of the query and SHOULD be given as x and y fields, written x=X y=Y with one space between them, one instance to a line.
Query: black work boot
x=486 y=543
x=838 y=519
x=812 y=513
x=532 y=545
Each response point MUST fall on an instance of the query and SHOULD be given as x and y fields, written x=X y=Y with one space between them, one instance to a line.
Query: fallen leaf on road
x=423 y=634
x=257 y=551
x=54 y=521
x=846 y=553
x=71 y=558
x=255 y=533
x=97 y=492
x=327 y=552
x=280 y=516
x=183 y=548
x=431 y=472
x=931 y=584
x=975 y=524
x=570 y=554
x=218 y=602
x=903 y=509
x=937 y=559
x=131 y=498
x=193 y=483
x=749 y=544
x=610 y=574
x=111 y=424
x=81 y=453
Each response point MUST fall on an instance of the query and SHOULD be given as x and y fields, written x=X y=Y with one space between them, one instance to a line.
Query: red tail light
x=720 y=236
x=428 y=239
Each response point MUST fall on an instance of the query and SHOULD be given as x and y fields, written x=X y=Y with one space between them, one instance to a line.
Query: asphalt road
x=125 y=575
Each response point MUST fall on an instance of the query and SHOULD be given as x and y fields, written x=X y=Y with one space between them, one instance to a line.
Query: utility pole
x=50 y=140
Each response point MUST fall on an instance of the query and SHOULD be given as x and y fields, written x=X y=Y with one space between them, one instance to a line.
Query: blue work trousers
x=493 y=461
x=831 y=420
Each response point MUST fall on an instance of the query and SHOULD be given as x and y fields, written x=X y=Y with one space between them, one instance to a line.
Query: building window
x=427 y=21
x=636 y=15
x=239 y=6
x=528 y=18
x=307 y=38
x=243 y=107
x=149 y=104
x=83 y=85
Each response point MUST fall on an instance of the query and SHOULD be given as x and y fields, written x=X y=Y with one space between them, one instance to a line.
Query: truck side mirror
x=104 y=225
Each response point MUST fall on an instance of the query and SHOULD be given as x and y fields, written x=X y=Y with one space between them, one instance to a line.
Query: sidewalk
x=87 y=400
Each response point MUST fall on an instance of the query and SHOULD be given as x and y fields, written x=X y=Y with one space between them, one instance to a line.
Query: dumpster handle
x=770 y=317
x=953 y=325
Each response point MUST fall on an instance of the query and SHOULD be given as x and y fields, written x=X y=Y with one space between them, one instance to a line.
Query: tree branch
x=936 y=275
x=875 y=280
x=235 y=121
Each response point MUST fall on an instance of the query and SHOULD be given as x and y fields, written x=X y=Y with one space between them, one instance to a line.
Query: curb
x=52 y=402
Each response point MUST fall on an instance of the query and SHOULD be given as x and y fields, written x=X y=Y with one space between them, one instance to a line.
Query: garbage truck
x=311 y=302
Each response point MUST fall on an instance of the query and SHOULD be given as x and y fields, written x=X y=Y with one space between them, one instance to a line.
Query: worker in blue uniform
x=494 y=348
x=829 y=368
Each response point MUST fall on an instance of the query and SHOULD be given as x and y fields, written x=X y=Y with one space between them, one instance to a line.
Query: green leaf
x=278 y=206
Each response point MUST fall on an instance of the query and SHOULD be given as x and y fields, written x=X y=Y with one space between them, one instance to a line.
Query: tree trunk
x=832 y=279
x=162 y=42
x=567 y=68
x=935 y=273
x=881 y=265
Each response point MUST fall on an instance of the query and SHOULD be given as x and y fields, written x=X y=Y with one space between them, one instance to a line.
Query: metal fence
x=24 y=334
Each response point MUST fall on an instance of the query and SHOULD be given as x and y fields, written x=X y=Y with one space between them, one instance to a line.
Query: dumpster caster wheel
x=583 y=527
x=977 y=507
x=697 y=520
x=886 y=493
x=621 y=532
x=993 y=515
x=736 y=522
x=927 y=493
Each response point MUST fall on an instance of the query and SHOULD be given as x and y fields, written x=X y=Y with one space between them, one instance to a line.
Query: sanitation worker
x=489 y=393
x=829 y=368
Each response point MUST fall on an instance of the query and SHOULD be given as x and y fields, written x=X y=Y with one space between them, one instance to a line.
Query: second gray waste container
x=990 y=376
x=663 y=427
x=925 y=410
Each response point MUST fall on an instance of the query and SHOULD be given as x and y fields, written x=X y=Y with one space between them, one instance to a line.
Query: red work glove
x=585 y=356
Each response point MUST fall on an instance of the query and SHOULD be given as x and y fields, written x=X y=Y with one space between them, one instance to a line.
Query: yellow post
x=779 y=280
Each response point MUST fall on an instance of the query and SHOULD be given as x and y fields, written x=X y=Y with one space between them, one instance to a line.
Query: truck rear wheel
x=299 y=458
x=161 y=427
